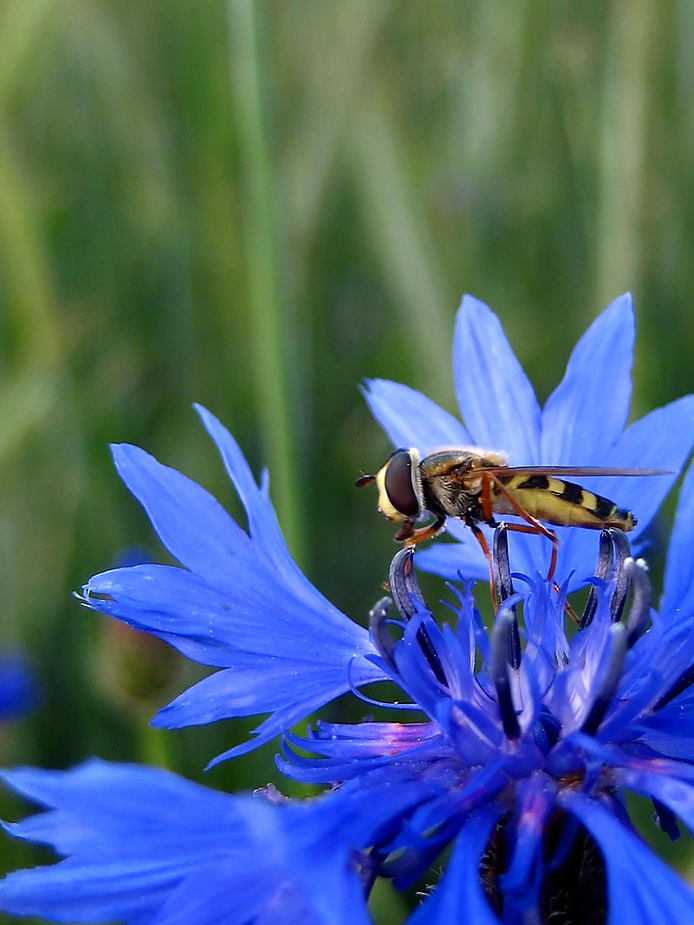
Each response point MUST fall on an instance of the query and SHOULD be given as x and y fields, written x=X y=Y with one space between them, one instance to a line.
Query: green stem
x=623 y=154
x=259 y=234
x=154 y=744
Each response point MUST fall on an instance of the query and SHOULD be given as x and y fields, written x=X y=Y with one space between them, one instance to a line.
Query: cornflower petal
x=264 y=529
x=146 y=846
x=449 y=559
x=459 y=896
x=191 y=524
x=641 y=889
x=678 y=592
x=411 y=419
x=256 y=688
x=677 y=795
x=588 y=410
x=663 y=440
x=496 y=398
x=522 y=881
x=205 y=622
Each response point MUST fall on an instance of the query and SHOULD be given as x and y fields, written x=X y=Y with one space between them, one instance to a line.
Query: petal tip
x=471 y=302
x=621 y=310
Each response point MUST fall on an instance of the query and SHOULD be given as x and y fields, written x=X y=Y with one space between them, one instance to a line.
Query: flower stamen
x=403 y=583
x=622 y=551
x=617 y=641
x=409 y=600
x=602 y=571
x=378 y=629
x=504 y=586
x=612 y=558
x=499 y=669
x=640 y=610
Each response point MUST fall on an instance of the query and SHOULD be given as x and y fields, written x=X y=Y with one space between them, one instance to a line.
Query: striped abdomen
x=562 y=503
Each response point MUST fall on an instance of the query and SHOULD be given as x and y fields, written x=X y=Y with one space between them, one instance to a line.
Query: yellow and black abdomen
x=562 y=503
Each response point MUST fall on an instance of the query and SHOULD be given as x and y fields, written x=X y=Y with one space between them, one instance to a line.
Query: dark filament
x=403 y=583
x=409 y=599
x=617 y=640
x=499 y=671
x=504 y=586
x=621 y=573
x=378 y=628
x=640 y=610
x=613 y=554
x=602 y=571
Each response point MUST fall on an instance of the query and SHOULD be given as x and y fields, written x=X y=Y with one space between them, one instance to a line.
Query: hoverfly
x=472 y=485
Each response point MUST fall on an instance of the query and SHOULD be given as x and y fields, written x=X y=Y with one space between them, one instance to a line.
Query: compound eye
x=398 y=484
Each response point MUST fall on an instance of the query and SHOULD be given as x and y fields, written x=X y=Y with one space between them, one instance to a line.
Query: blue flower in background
x=524 y=739
x=582 y=424
x=19 y=692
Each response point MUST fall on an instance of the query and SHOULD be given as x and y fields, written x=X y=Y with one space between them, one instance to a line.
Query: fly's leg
x=526 y=528
x=404 y=532
x=568 y=609
x=412 y=537
x=532 y=527
x=479 y=536
x=532 y=524
x=523 y=528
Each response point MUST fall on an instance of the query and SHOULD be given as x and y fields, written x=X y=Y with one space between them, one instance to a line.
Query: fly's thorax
x=443 y=495
x=464 y=459
x=453 y=480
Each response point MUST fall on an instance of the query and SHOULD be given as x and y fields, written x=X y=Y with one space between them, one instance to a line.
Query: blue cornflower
x=582 y=424
x=529 y=739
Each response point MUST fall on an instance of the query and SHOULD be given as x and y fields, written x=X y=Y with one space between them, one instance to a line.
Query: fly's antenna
x=364 y=480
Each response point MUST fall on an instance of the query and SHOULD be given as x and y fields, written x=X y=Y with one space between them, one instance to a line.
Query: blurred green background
x=257 y=205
